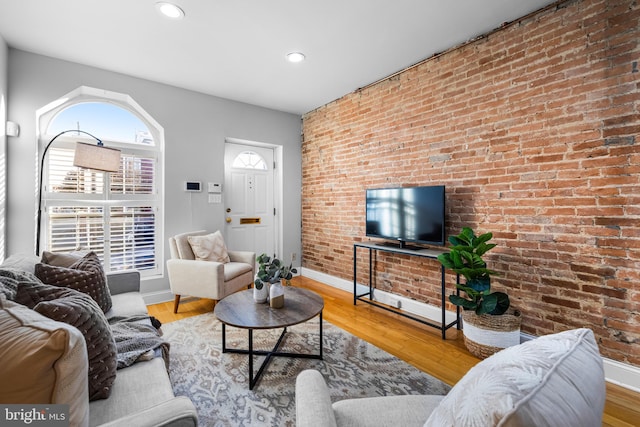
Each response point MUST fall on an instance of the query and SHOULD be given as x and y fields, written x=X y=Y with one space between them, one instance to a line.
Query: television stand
x=420 y=252
x=401 y=245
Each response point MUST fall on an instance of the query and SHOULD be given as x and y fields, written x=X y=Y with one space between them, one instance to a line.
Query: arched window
x=249 y=160
x=110 y=121
x=117 y=215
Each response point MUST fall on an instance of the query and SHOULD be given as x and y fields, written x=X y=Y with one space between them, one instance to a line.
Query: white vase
x=276 y=295
x=260 y=296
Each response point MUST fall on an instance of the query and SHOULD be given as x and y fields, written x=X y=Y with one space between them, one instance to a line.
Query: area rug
x=218 y=383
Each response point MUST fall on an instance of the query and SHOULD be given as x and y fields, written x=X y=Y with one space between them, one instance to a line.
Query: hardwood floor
x=408 y=340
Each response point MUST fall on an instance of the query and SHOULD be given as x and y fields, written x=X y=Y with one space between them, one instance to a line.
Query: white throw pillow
x=554 y=380
x=210 y=247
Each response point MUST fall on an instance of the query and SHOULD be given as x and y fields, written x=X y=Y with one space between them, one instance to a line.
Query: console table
x=424 y=253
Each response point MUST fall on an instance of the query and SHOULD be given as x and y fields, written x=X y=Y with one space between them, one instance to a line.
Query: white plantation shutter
x=66 y=178
x=136 y=176
x=132 y=238
x=114 y=214
x=73 y=227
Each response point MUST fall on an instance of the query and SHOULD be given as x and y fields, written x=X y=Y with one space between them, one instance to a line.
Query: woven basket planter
x=485 y=334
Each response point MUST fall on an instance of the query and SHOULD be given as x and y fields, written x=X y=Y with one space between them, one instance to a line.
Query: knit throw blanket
x=137 y=340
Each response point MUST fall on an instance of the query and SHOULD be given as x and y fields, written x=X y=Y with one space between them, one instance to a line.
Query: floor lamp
x=87 y=156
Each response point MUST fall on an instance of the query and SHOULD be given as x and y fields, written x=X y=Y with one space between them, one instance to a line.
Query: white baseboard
x=157 y=297
x=408 y=305
x=622 y=374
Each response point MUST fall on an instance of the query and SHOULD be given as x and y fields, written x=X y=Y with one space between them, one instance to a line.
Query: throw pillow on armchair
x=210 y=247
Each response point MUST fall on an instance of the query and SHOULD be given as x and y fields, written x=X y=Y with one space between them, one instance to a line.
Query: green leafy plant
x=465 y=258
x=272 y=270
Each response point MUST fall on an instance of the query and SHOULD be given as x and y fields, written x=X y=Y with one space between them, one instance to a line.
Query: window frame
x=106 y=199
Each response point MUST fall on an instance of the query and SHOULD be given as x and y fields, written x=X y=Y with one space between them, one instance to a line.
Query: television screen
x=411 y=214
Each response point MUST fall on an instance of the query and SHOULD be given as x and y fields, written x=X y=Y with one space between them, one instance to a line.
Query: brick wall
x=534 y=131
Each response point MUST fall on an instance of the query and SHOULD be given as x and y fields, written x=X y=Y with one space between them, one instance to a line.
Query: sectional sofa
x=46 y=361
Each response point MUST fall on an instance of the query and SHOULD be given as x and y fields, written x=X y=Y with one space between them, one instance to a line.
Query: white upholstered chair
x=554 y=380
x=206 y=279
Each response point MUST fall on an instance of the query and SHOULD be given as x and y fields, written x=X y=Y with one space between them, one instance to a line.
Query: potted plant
x=489 y=325
x=272 y=271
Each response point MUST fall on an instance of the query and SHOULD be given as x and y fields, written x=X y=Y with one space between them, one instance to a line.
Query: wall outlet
x=394 y=302
x=294 y=256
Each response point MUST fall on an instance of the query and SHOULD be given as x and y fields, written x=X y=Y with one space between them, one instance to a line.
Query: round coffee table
x=241 y=311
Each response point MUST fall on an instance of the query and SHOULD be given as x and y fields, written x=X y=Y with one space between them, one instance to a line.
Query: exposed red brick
x=534 y=130
x=560 y=302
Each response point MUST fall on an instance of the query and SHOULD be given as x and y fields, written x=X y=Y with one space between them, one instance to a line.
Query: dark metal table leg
x=355 y=273
x=321 y=338
x=443 y=327
x=253 y=380
x=224 y=338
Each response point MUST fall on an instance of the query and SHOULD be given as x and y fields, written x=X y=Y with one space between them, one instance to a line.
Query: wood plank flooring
x=417 y=344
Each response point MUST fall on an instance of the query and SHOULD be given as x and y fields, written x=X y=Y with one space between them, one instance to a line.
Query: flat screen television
x=408 y=214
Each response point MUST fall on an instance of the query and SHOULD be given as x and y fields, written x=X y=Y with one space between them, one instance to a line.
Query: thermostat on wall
x=192 y=186
x=214 y=187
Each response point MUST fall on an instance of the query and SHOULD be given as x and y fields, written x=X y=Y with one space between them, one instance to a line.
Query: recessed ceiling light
x=170 y=10
x=295 y=57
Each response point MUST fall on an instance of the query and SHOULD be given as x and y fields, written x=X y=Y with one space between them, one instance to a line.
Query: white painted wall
x=195 y=125
x=4 y=53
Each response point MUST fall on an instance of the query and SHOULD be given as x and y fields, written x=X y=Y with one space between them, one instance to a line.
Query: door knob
x=229 y=220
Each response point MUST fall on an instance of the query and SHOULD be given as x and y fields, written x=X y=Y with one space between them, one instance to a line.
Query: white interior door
x=249 y=198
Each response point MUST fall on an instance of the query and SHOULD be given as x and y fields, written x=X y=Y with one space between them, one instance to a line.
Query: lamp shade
x=99 y=157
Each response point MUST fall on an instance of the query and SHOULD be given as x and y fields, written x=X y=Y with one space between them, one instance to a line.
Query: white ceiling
x=236 y=49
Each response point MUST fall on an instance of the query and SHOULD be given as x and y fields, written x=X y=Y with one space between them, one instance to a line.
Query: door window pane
x=249 y=160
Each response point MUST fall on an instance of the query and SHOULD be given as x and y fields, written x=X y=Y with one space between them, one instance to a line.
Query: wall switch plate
x=215 y=198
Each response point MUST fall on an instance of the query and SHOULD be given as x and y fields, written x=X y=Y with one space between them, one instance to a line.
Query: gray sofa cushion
x=128 y=304
x=79 y=310
x=24 y=262
x=405 y=411
x=138 y=387
x=62 y=259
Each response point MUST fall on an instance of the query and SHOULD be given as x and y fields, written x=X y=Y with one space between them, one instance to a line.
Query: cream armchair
x=206 y=279
x=553 y=380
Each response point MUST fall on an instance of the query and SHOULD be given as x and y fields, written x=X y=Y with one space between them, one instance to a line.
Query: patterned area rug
x=218 y=384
